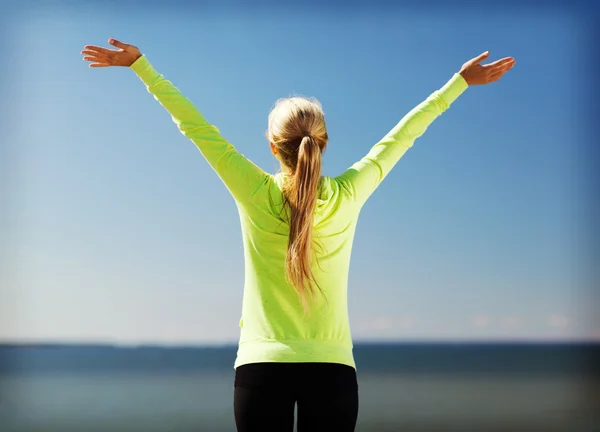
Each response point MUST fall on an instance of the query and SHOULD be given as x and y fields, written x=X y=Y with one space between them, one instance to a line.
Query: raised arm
x=240 y=175
x=362 y=178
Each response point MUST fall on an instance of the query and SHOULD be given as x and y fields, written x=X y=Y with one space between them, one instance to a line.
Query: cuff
x=454 y=88
x=144 y=70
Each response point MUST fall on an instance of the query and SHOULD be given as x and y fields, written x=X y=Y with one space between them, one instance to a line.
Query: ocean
x=402 y=387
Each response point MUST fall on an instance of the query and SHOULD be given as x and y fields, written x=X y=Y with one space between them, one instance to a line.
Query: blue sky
x=117 y=230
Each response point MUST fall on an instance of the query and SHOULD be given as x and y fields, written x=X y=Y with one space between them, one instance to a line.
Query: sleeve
x=362 y=178
x=241 y=177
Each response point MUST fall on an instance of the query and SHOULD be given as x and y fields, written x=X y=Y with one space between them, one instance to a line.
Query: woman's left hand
x=126 y=55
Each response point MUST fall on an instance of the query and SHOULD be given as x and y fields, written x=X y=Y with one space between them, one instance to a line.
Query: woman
x=298 y=226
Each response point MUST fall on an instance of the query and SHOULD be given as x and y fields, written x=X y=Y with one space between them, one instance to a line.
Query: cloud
x=480 y=320
x=381 y=323
x=558 y=321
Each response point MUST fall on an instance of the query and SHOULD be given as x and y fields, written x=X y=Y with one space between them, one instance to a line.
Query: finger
x=480 y=58
x=93 y=53
x=502 y=69
x=99 y=49
x=500 y=63
x=95 y=65
x=118 y=44
x=95 y=59
x=98 y=60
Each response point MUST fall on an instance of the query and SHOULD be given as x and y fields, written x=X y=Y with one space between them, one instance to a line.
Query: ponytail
x=297 y=130
x=301 y=194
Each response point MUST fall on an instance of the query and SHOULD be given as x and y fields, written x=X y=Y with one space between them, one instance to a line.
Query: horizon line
x=229 y=344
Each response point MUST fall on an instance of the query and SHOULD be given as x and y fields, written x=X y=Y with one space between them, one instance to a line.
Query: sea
x=402 y=387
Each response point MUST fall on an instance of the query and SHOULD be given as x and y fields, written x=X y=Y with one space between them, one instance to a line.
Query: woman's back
x=273 y=318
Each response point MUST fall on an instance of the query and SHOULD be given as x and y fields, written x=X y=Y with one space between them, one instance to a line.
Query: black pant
x=266 y=394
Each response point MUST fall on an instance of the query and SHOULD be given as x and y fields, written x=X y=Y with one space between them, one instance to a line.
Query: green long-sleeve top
x=274 y=326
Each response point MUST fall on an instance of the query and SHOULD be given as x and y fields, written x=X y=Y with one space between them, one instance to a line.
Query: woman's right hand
x=475 y=73
x=126 y=55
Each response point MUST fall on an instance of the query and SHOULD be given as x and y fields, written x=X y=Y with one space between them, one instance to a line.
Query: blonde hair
x=297 y=130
